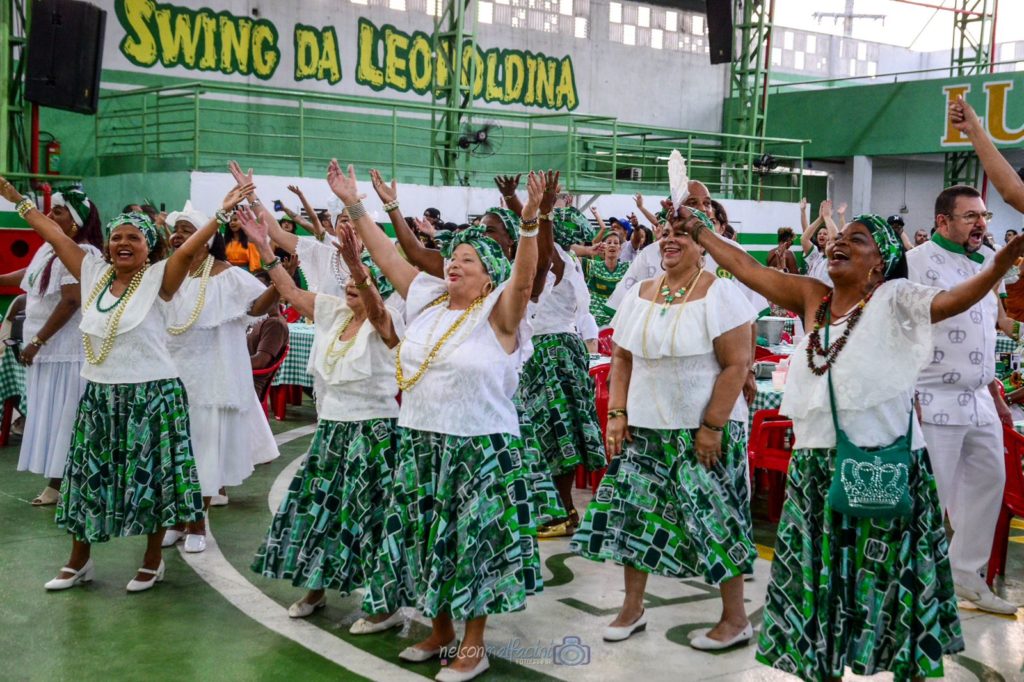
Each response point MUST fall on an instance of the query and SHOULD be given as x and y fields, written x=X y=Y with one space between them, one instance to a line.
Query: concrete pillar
x=860 y=199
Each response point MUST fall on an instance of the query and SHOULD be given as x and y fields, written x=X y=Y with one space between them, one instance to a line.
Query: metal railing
x=201 y=126
x=886 y=78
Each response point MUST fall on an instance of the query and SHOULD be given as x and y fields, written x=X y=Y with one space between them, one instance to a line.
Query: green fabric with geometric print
x=326 y=531
x=602 y=282
x=872 y=594
x=659 y=510
x=130 y=468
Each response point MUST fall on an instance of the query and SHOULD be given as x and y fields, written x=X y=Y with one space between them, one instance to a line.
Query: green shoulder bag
x=870 y=483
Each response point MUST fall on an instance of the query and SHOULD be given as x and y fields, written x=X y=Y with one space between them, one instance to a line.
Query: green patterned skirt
x=547 y=503
x=130 y=468
x=557 y=394
x=868 y=594
x=326 y=532
x=459 y=536
x=661 y=511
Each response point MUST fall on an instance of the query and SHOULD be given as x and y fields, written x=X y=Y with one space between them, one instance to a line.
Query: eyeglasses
x=972 y=216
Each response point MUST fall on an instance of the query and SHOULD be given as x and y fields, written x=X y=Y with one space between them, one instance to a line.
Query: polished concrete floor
x=213 y=619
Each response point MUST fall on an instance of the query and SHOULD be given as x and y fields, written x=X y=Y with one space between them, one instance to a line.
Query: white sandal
x=48 y=497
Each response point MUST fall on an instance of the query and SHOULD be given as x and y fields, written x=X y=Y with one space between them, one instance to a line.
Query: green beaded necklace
x=106 y=289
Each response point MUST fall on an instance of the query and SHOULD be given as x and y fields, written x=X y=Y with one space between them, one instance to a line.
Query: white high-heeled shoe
x=171 y=537
x=705 y=643
x=82 y=575
x=143 y=585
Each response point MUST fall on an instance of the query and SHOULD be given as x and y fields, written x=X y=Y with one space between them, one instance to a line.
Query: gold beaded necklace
x=334 y=353
x=204 y=274
x=114 y=321
x=432 y=355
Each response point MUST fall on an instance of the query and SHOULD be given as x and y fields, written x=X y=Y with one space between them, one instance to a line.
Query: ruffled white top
x=557 y=308
x=362 y=384
x=674 y=362
x=66 y=344
x=325 y=270
x=212 y=357
x=140 y=349
x=873 y=377
x=468 y=389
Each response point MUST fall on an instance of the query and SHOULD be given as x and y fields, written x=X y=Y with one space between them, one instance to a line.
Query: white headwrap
x=190 y=215
x=58 y=200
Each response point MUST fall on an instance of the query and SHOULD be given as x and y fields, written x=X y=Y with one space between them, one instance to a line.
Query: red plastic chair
x=269 y=372
x=600 y=376
x=7 y=420
x=770 y=448
x=291 y=315
x=1013 y=502
x=604 y=342
x=760 y=353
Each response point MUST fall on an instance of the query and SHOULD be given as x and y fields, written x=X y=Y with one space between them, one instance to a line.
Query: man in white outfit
x=961 y=407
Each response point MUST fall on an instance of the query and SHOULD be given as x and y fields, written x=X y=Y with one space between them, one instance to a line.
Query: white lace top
x=361 y=384
x=873 y=377
x=212 y=357
x=66 y=344
x=325 y=270
x=140 y=349
x=558 y=306
x=674 y=362
x=468 y=389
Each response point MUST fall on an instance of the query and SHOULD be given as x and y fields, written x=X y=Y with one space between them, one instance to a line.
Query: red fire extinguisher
x=53 y=157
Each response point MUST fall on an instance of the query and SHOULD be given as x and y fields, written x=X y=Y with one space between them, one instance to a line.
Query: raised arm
x=376 y=312
x=511 y=305
x=601 y=227
x=787 y=290
x=809 y=228
x=968 y=292
x=507 y=185
x=639 y=199
x=69 y=252
x=314 y=220
x=427 y=260
x=271 y=297
x=286 y=240
x=1003 y=176
x=258 y=234
x=547 y=259
x=178 y=264
x=382 y=251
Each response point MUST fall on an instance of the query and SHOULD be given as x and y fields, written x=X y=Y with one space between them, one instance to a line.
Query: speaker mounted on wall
x=65 y=55
x=720 y=31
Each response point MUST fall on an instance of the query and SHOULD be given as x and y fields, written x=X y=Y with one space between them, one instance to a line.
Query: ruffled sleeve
x=331 y=313
x=423 y=290
x=726 y=308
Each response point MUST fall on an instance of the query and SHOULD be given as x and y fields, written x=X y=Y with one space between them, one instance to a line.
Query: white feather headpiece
x=677 y=179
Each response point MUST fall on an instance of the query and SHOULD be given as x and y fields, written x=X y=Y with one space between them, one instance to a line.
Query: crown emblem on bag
x=873 y=484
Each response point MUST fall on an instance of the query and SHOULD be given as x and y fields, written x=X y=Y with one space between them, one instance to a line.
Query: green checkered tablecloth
x=12 y=378
x=768 y=398
x=300 y=344
x=1004 y=344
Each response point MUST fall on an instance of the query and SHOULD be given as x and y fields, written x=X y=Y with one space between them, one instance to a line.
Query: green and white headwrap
x=138 y=220
x=509 y=219
x=703 y=217
x=495 y=263
x=572 y=227
x=75 y=201
x=384 y=286
x=889 y=244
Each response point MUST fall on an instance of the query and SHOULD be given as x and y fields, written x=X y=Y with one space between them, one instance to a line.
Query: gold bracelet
x=621 y=412
x=356 y=211
x=24 y=206
x=365 y=284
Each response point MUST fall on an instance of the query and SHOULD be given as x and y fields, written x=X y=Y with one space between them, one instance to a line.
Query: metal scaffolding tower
x=971 y=54
x=453 y=90
x=14 y=150
x=749 y=74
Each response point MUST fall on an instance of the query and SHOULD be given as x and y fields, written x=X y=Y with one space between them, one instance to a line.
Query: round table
x=293 y=369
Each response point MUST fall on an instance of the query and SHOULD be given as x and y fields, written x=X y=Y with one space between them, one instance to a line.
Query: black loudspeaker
x=720 y=30
x=65 y=55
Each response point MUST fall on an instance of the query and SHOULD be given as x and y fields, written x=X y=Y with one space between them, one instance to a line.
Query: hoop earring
x=488 y=288
x=701 y=261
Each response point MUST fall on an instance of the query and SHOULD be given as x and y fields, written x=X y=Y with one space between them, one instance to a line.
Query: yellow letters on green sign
x=316 y=54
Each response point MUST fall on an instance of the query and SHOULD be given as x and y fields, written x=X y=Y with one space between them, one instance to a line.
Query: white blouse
x=674 y=362
x=212 y=357
x=325 y=270
x=140 y=348
x=558 y=306
x=66 y=344
x=468 y=389
x=361 y=384
x=873 y=377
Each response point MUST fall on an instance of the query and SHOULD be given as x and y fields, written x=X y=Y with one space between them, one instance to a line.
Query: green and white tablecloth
x=1004 y=344
x=12 y=378
x=768 y=397
x=300 y=344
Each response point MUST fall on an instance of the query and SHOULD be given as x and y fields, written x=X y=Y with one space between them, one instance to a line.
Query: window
x=862 y=51
x=671 y=21
x=581 y=27
x=643 y=16
x=697 y=25
x=812 y=44
x=787 y=40
x=652 y=26
x=615 y=13
x=872 y=69
x=776 y=56
x=629 y=34
x=656 y=38
x=485 y=12
x=798 y=61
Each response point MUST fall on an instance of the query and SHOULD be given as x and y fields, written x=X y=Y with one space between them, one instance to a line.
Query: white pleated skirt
x=54 y=390
x=227 y=444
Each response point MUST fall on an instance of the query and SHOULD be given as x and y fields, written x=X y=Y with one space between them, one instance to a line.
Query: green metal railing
x=200 y=126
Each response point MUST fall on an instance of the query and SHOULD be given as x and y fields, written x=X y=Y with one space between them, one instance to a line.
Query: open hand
x=842 y=209
x=639 y=199
x=535 y=188
x=9 y=191
x=803 y=204
x=291 y=264
x=236 y=195
x=342 y=183
x=253 y=228
x=551 y=190
x=349 y=247
x=294 y=189
x=507 y=184
x=387 y=193
x=240 y=177
x=426 y=227
x=825 y=209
